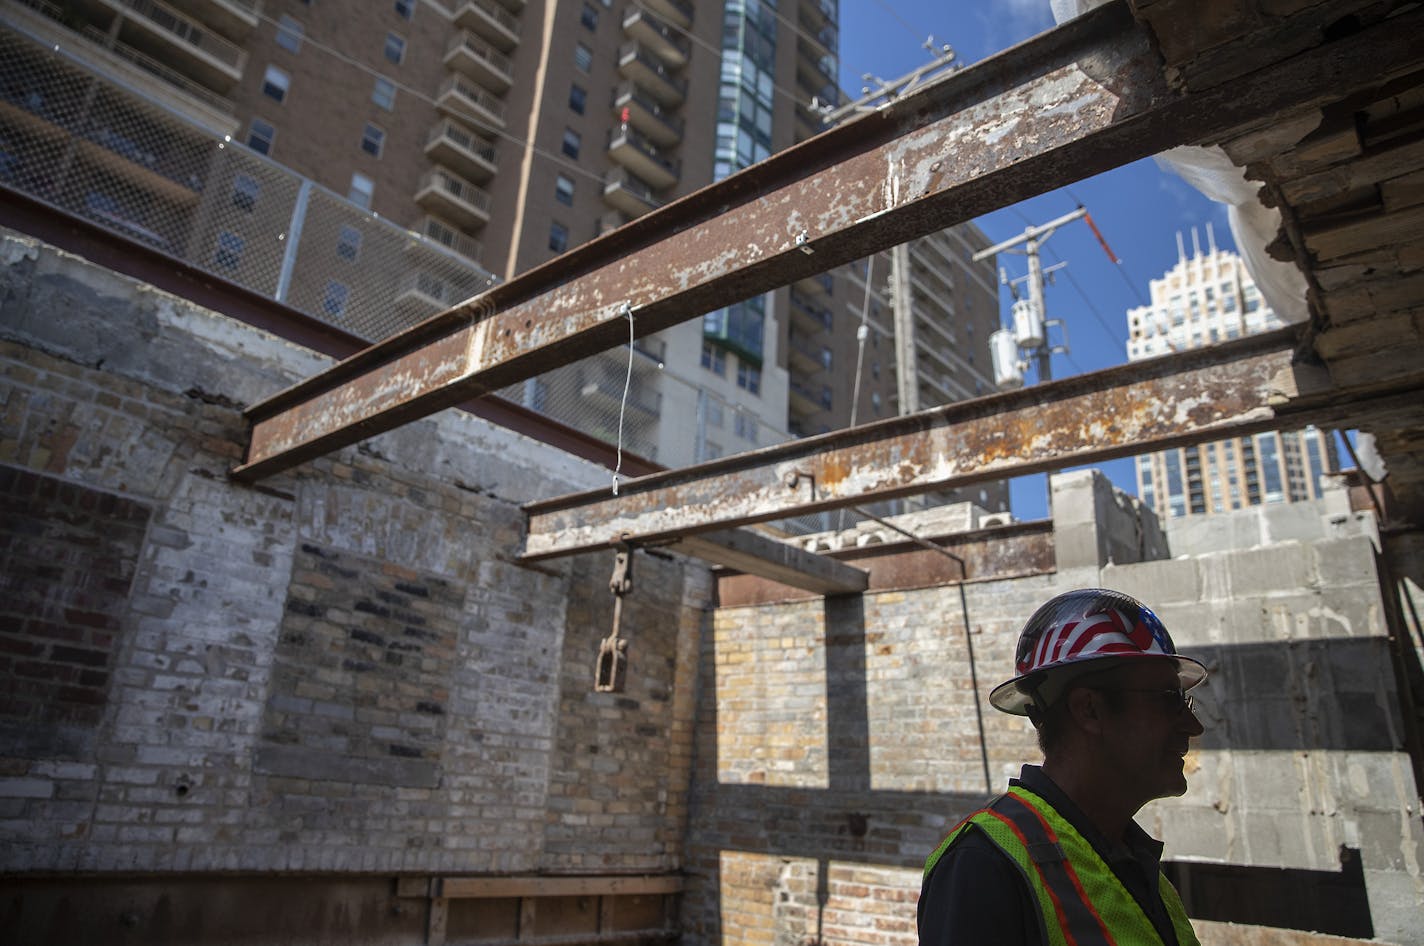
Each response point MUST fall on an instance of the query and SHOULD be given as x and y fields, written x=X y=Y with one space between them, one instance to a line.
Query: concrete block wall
x=841 y=738
x=340 y=670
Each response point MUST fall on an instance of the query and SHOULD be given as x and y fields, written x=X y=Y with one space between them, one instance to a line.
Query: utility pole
x=1030 y=325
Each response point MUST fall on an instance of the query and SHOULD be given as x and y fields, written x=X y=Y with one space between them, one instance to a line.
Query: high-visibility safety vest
x=1083 y=903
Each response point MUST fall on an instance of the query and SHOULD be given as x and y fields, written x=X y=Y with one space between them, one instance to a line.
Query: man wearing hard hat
x=1058 y=859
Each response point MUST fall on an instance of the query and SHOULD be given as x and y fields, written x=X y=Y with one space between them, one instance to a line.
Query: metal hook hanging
x=611 y=671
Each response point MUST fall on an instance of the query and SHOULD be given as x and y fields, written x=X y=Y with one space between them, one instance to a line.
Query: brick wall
x=67 y=558
x=341 y=670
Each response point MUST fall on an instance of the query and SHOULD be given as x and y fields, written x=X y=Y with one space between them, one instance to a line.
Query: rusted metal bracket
x=1242 y=387
x=1075 y=101
x=610 y=674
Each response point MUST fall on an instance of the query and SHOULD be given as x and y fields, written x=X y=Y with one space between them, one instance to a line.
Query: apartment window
x=564 y=190
x=384 y=94
x=395 y=48
x=749 y=377
x=275 y=84
x=348 y=244
x=289 y=33
x=572 y=142
x=333 y=301
x=558 y=237
x=405 y=9
x=589 y=17
x=363 y=189
x=244 y=192
x=229 y=250
x=260 y=136
x=578 y=98
x=746 y=427
x=583 y=57
x=714 y=359
x=373 y=139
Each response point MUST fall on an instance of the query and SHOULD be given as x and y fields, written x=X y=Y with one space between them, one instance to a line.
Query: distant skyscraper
x=1205 y=299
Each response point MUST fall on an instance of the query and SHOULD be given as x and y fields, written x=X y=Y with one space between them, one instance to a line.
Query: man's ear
x=1085 y=706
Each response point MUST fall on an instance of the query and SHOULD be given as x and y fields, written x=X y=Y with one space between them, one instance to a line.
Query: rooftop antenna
x=1181 y=248
x=1210 y=238
x=1196 y=243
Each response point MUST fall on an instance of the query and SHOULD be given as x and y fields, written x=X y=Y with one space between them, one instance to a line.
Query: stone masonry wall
x=342 y=669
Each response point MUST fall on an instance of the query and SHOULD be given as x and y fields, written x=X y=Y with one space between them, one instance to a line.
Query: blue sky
x=1139 y=207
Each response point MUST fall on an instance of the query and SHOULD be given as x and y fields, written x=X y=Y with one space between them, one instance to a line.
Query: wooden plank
x=532 y=886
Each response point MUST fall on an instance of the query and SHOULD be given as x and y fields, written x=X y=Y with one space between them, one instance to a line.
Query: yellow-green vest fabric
x=1083 y=903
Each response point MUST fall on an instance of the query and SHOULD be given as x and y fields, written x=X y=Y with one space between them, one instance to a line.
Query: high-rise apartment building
x=1205 y=299
x=436 y=144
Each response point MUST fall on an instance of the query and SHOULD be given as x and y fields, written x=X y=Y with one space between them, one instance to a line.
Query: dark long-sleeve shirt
x=976 y=894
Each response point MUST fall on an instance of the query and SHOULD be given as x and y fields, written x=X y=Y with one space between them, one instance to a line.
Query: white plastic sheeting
x=1253 y=225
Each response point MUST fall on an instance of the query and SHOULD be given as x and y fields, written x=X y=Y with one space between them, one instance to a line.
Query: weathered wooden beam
x=1076 y=101
x=1238 y=388
x=456 y=888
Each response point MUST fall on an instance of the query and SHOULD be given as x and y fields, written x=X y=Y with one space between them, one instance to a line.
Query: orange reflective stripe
x=1064 y=923
x=1076 y=913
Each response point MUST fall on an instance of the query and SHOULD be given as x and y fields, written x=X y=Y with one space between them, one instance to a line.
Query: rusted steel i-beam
x=1192 y=397
x=1075 y=101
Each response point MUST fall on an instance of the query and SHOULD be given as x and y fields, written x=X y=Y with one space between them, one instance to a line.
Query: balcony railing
x=459 y=86
x=187 y=31
x=672 y=44
x=627 y=95
x=634 y=53
x=466 y=46
x=489 y=20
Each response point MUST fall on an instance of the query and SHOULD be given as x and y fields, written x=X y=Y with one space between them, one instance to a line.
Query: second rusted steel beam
x=1197 y=396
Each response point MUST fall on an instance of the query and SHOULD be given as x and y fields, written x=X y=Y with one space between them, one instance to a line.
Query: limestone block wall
x=342 y=669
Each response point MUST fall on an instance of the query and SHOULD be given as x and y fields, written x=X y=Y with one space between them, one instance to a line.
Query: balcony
x=818 y=316
x=467 y=101
x=642 y=157
x=490 y=22
x=462 y=151
x=802 y=401
x=818 y=13
x=178 y=40
x=677 y=12
x=454 y=198
x=235 y=19
x=627 y=193
x=663 y=40
x=612 y=221
x=814 y=68
x=471 y=56
x=817 y=285
x=635 y=62
x=420 y=293
x=606 y=390
x=438 y=231
x=643 y=112
x=804 y=358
